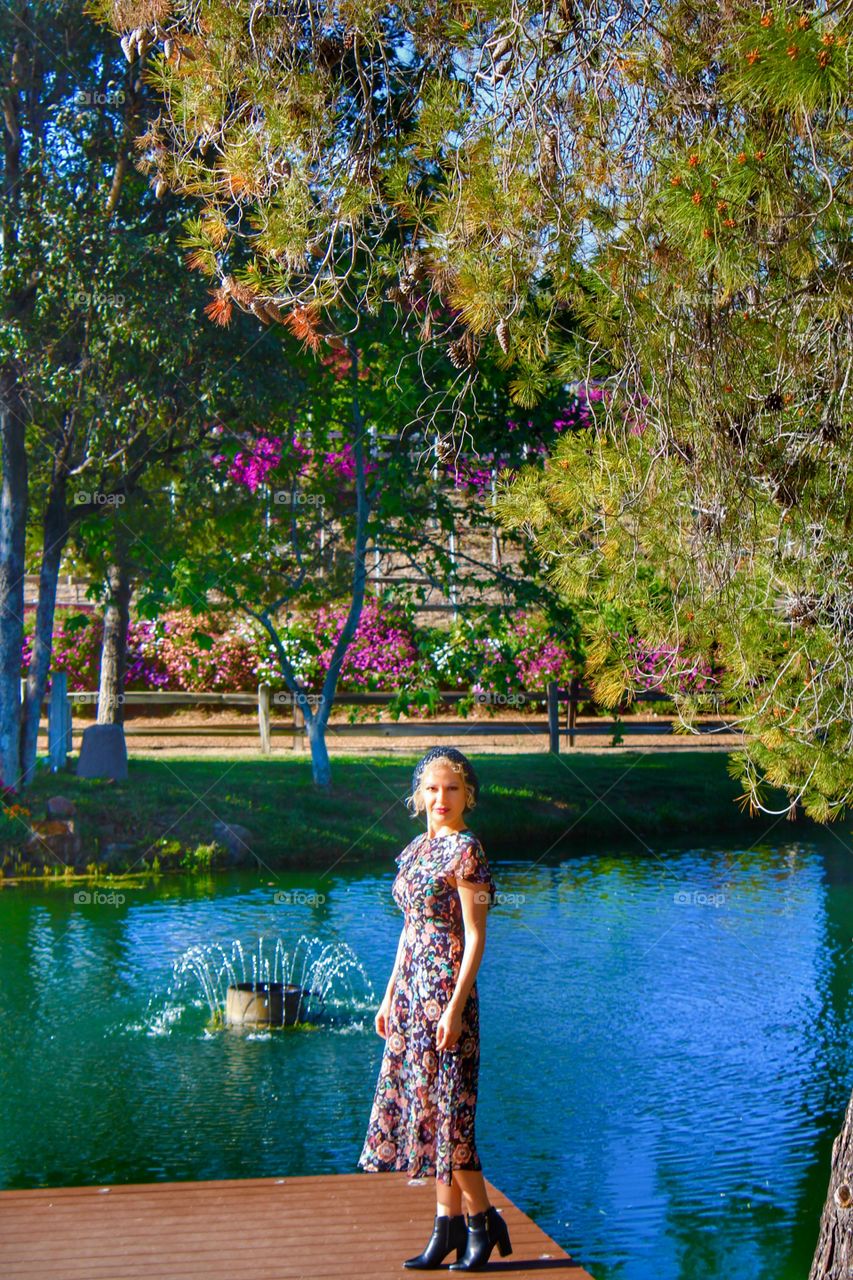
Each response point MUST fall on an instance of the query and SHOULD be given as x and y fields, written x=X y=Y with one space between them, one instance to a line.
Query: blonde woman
x=422 y=1120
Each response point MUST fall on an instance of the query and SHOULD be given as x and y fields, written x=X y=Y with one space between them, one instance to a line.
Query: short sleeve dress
x=422 y=1120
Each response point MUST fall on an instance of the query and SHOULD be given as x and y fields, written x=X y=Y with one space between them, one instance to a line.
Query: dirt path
x=220 y=733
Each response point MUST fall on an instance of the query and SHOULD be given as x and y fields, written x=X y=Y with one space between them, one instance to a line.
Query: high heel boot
x=485 y=1230
x=447 y=1233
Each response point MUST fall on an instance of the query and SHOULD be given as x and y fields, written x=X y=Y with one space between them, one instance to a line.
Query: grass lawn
x=530 y=805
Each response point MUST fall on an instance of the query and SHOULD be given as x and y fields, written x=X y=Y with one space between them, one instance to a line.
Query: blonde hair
x=416 y=803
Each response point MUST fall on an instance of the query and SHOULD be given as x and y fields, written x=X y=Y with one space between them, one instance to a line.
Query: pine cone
x=463 y=351
x=414 y=265
x=273 y=311
x=239 y=292
x=502 y=335
x=258 y=309
x=801 y=607
x=445 y=450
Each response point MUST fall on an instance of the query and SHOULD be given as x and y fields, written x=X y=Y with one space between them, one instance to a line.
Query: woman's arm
x=475 y=905
x=400 y=944
x=383 y=1013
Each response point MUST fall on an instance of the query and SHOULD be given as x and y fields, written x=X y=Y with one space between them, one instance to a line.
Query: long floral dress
x=422 y=1119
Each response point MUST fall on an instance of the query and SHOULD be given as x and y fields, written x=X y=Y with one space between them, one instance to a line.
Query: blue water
x=665 y=1046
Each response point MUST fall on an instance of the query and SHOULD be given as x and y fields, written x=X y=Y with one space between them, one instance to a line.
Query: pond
x=666 y=1044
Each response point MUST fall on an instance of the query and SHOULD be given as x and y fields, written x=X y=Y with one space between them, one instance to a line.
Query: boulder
x=54 y=840
x=103 y=752
x=117 y=852
x=60 y=807
x=236 y=840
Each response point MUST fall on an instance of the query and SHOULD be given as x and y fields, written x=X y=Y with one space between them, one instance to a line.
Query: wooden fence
x=555 y=725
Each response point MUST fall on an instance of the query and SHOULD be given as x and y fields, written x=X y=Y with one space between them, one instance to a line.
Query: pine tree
x=660 y=202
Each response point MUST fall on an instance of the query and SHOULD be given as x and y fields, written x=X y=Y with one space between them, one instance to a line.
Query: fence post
x=298 y=724
x=264 y=716
x=553 y=717
x=574 y=693
x=58 y=722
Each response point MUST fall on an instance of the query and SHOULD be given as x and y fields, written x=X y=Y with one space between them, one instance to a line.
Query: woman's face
x=444 y=795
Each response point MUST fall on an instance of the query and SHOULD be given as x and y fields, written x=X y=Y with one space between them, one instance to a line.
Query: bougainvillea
x=180 y=651
x=665 y=667
x=476 y=475
x=382 y=654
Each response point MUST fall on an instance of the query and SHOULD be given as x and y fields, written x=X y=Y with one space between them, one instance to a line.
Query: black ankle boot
x=447 y=1233
x=485 y=1230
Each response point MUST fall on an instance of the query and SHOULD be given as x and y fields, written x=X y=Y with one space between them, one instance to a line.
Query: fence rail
x=265 y=701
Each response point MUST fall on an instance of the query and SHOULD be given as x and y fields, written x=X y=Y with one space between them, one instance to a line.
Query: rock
x=236 y=840
x=103 y=752
x=60 y=807
x=54 y=840
x=116 y=853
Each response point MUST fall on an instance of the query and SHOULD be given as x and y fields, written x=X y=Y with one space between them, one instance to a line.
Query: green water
x=665 y=1045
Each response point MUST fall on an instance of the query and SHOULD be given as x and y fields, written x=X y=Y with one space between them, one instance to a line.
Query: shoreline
x=190 y=815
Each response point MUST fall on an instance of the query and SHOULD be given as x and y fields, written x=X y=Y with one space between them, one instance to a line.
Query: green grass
x=530 y=806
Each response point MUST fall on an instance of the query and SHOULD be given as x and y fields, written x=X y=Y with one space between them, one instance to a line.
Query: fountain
x=318 y=983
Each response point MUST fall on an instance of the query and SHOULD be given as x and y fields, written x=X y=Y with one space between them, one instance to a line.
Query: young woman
x=424 y=1107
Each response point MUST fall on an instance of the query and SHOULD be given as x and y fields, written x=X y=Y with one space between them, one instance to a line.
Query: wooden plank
x=360 y=1226
x=264 y=715
x=426 y=728
x=553 y=718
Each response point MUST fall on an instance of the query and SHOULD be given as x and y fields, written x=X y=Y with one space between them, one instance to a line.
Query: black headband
x=452 y=753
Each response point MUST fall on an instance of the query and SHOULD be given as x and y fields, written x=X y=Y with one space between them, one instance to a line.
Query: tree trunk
x=321 y=769
x=55 y=528
x=833 y=1257
x=316 y=721
x=13 y=529
x=114 y=646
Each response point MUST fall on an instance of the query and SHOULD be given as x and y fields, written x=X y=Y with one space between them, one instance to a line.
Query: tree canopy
x=654 y=197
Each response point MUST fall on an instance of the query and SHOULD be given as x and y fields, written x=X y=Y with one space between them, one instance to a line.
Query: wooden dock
x=357 y=1226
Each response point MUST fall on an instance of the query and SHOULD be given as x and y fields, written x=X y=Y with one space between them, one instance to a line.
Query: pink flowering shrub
x=215 y=653
x=203 y=655
x=382 y=653
x=342 y=463
x=520 y=653
x=666 y=669
x=475 y=475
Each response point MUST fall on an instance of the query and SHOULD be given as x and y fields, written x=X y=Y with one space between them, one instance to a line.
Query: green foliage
x=658 y=201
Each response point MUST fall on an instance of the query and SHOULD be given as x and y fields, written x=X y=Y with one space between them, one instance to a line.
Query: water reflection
x=665 y=1058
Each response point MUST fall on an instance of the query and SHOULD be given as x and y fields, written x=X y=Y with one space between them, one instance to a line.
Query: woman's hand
x=380 y=1022
x=449 y=1028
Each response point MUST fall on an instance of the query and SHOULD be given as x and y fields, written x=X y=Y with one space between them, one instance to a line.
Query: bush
x=489 y=653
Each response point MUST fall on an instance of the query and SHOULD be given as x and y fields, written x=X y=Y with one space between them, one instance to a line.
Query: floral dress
x=422 y=1119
